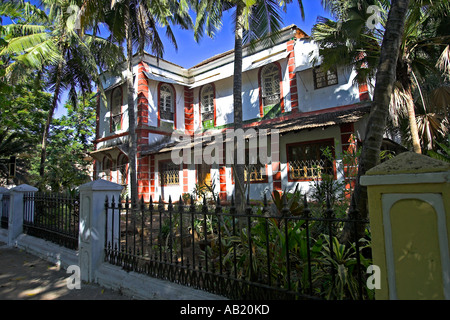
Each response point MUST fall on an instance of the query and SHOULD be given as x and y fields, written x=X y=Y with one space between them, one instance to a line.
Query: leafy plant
x=444 y=153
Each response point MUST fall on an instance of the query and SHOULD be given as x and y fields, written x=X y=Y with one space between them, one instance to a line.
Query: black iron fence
x=53 y=217
x=5 y=211
x=266 y=253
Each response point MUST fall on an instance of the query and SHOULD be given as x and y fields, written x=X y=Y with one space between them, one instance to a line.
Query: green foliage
x=71 y=139
x=443 y=153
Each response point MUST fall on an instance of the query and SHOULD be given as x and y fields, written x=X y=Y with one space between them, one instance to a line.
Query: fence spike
x=218 y=201
x=306 y=210
x=285 y=210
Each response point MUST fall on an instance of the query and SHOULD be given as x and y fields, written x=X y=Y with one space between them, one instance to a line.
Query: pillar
x=409 y=211
x=15 y=223
x=92 y=224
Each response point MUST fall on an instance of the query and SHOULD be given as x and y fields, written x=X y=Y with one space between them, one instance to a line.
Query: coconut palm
x=50 y=43
x=138 y=25
x=257 y=20
x=385 y=80
x=350 y=40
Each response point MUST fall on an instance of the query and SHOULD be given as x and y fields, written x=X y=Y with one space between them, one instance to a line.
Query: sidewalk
x=27 y=277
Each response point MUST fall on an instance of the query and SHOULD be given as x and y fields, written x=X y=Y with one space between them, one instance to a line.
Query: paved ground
x=27 y=277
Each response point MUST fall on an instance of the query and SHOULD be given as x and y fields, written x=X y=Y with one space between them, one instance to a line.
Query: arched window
x=207 y=106
x=116 y=109
x=122 y=168
x=107 y=166
x=270 y=84
x=166 y=102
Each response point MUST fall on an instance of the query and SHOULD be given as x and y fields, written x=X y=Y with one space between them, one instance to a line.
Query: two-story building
x=282 y=91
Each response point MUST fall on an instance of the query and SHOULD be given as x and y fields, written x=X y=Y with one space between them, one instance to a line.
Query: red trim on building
x=188 y=111
x=292 y=77
x=349 y=146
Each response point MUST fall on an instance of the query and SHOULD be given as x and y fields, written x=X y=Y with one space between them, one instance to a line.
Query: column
x=92 y=224
x=16 y=207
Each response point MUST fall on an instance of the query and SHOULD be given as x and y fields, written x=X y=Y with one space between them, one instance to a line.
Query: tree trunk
x=404 y=76
x=376 y=126
x=131 y=115
x=239 y=191
x=48 y=123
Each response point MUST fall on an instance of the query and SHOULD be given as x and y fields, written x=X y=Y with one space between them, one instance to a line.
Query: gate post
x=409 y=209
x=15 y=222
x=91 y=241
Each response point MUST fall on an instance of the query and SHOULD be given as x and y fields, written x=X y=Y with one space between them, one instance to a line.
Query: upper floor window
x=324 y=79
x=207 y=106
x=166 y=102
x=270 y=82
x=116 y=109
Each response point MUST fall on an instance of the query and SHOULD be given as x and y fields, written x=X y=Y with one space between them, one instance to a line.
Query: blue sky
x=191 y=53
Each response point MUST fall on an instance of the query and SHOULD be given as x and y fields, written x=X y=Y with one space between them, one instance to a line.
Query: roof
x=322 y=119
x=316 y=120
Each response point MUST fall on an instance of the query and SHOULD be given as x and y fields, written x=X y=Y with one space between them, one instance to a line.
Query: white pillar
x=92 y=224
x=15 y=223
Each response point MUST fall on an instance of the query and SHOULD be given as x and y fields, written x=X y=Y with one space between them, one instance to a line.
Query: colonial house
x=282 y=92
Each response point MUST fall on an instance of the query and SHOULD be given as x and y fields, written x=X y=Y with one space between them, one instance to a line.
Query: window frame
x=161 y=163
x=213 y=106
x=111 y=118
x=107 y=159
x=120 y=164
x=327 y=83
x=174 y=104
x=261 y=88
x=324 y=142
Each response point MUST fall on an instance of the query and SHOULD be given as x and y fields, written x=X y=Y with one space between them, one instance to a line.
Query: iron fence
x=5 y=211
x=265 y=253
x=53 y=217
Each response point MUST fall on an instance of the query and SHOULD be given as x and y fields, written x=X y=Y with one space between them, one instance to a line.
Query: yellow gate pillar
x=409 y=211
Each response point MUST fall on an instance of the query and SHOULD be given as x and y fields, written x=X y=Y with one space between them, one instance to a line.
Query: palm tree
x=137 y=24
x=253 y=21
x=349 y=41
x=51 y=44
x=385 y=80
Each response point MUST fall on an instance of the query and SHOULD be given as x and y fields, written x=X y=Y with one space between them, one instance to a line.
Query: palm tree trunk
x=413 y=124
x=239 y=192
x=376 y=126
x=131 y=115
x=48 y=123
x=404 y=76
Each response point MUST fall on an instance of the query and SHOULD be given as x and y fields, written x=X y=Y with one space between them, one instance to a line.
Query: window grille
x=257 y=173
x=116 y=109
x=169 y=174
x=166 y=102
x=324 y=79
x=306 y=161
x=270 y=79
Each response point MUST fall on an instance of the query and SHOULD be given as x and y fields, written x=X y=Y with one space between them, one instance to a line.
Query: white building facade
x=282 y=92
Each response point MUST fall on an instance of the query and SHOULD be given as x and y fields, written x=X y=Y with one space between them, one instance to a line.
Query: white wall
x=341 y=94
